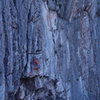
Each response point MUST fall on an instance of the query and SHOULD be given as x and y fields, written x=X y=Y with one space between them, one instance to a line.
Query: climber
x=35 y=64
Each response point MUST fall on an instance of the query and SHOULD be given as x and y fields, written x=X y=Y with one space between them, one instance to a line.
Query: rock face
x=64 y=35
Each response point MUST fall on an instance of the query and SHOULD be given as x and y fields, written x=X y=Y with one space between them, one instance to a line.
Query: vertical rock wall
x=64 y=35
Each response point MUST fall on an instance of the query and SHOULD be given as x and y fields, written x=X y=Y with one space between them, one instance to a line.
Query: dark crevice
x=98 y=13
x=14 y=1
x=47 y=2
x=55 y=51
x=27 y=38
x=29 y=14
x=60 y=6
x=60 y=45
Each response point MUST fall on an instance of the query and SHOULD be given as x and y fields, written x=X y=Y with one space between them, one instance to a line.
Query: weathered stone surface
x=64 y=35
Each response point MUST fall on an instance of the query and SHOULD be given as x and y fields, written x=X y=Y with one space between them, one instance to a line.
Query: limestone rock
x=64 y=35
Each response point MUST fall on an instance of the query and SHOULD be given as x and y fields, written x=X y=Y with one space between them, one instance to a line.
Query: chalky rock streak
x=64 y=38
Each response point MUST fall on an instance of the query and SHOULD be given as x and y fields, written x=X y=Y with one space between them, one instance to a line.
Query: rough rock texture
x=64 y=35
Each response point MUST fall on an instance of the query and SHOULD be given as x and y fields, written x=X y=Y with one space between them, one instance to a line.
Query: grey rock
x=64 y=35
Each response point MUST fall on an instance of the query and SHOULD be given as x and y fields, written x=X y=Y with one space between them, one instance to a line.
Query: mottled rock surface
x=64 y=35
